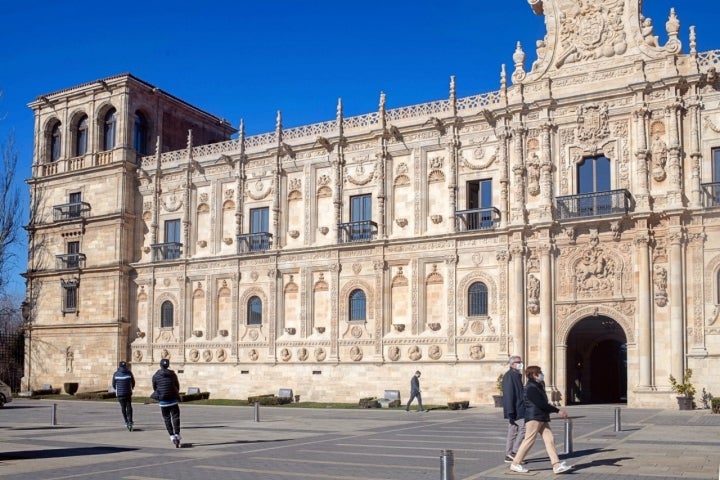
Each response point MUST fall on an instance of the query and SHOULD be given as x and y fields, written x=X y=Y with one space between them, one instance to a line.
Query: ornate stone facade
x=570 y=209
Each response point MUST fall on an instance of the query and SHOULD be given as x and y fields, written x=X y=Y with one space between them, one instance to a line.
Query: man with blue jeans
x=513 y=406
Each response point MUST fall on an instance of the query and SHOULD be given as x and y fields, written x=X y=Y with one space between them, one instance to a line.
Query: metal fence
x=12 y=351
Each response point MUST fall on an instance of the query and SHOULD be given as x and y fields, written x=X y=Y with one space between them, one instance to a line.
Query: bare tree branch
x=10 y=207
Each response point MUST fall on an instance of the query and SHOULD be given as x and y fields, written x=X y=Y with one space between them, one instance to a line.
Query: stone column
x=674 y=166
x=517 y=203
x=677 y=301
x=546 y=316
x=644 y=334
x=642 y=195
x=380 y=267
x=546 y=193
x=334 y=269
x=695 y=154
x=517 y=304
x=504 y=138
x=451 y=262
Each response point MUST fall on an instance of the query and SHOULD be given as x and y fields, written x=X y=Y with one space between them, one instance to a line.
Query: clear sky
x=245 y=59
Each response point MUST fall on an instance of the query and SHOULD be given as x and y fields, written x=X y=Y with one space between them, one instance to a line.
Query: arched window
x=254 y=311
x=357 y=305
x=109 y=129
x=477 y=299
x=140 y=134
x=81 y=139
x=166 y=314
x=55 y=142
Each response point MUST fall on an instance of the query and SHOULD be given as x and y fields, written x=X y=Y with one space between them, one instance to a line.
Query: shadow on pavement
x=237 y=442
x=62 y=452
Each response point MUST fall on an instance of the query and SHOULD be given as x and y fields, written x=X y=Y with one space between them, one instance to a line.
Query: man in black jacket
x=513 y=406
x=166 y=390
x=415 y=392
x=123 y=383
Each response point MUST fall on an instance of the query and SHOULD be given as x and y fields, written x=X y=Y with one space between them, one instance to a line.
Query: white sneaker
x=178 y=436
x=561 y=468
x=172 y=438
x=518 y=468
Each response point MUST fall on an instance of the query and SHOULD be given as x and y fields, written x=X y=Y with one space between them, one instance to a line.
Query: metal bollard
x=568 y=436
x=447 y=465
x=618 y=427
x=257 y=412
x=53 y=414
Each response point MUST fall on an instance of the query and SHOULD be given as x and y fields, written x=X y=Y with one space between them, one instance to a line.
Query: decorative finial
x=452 y=87
x=157 y=145
x=519 y=60
x=241 y=132
x=278 y=121
x=673 y=24
x=503 y=77
x=339 y=111
x=189 y=139
x=382 y=101
x=693 y=41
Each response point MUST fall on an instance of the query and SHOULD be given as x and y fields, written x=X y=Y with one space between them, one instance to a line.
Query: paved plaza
x=89 y=441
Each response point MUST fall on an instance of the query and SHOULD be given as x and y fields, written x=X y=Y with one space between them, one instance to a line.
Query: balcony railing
x=711 y=194
x=166 y=251
x=70 y=211
x=254 y=242
x=362 y=231
x=611 y=202
x=477 y=219
x=69 y=261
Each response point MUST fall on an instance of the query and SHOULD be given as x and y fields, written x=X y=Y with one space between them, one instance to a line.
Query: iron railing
x=711 y=194
x=362 y=231
x=477 y=219
x=254 y=242
x=70 y=211
x=166 y=251
x=69 y=261
x=583 y=205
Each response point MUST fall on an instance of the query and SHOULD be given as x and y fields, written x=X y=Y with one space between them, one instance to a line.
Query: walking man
x=167 y=392
x=415 y=392
x=123 y=383
x=513 y=407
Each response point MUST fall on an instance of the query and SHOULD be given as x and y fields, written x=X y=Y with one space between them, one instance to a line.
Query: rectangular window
x=258 y=239
x=75 y=207
x=259 y=220
x=73 y=258
x=172 y=239
x=361 y=217
x=714 y=189
x=479 y=197
x=70 y=296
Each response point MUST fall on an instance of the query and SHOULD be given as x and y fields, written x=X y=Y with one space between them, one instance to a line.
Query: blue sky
x=248 y=59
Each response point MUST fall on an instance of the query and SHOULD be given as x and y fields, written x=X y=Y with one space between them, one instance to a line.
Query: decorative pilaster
x=674 y=167
x=504 y=137
x=517 y=202
x=546 y=193
x=677 y=301
x=451 y=263
x=645 y=298
x=382 y=157
x=642 y=197
x=517 y=302
x=695 y=153
x=337 y=171
x=281 y=150
x=240 y=183
x=334 y=269
x=275 y=281
x=455 y=148
x=380 y=267
x=696 y=322
x=187 y=253
x=546 y=326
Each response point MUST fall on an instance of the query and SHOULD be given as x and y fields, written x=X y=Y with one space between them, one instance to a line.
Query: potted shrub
x=715 y=405
x=498 y=397
x=686 y=390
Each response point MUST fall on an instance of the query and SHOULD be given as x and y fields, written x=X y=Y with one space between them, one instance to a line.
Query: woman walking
x=537 y=422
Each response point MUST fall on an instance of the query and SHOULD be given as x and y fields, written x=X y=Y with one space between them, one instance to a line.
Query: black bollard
x=618 y=427
x=53 y=414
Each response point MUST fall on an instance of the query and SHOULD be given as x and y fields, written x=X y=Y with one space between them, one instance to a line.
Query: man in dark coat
x=166 y=390
x=513 y=406
x=123 y=383
x=415 y=392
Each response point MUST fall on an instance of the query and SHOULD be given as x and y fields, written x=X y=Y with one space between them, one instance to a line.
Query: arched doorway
x=596 y=362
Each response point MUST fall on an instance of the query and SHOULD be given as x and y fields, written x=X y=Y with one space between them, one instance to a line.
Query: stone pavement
x=89 y=441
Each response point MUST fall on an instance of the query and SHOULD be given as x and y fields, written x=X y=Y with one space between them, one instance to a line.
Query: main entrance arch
x=596 y=362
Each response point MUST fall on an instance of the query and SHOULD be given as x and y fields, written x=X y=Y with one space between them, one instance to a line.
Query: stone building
x=567 y=217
